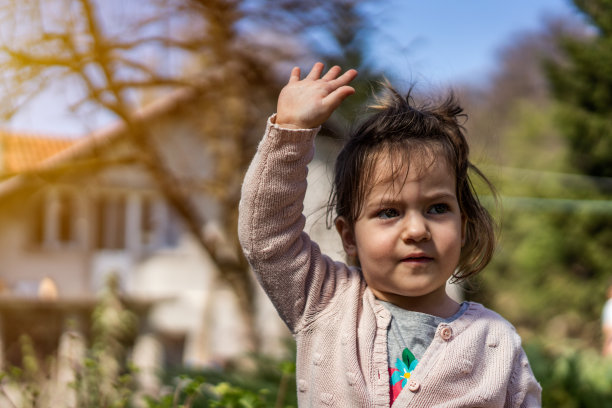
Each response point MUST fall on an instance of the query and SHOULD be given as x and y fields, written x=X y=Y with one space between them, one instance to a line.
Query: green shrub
x=571 y=377
x=271 y=383
x=102 y=376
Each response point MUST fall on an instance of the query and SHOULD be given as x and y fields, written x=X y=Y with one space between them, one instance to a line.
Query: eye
x=438 y=209
x=388 y=213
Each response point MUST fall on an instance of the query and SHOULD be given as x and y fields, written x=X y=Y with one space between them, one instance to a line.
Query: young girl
x=384 y=332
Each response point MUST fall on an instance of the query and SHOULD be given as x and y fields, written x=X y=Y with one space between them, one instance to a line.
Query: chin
x=417 y=292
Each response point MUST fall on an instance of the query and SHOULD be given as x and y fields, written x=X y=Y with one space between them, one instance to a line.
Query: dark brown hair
x=405 y=132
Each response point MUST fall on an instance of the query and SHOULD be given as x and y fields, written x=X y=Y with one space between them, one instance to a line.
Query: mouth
x=418 y=258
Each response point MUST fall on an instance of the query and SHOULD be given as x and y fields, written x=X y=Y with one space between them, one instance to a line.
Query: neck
x=436 y=304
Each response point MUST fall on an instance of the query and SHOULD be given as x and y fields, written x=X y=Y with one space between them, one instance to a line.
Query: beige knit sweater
x=339 y=326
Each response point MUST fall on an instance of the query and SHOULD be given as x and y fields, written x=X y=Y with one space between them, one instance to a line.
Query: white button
x=352 y=378
x=327 y=398
x=317 y=358
x=492 y=341
x=446 y=333
x=413 y=385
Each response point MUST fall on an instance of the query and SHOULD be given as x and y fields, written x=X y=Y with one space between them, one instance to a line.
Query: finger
x=334 y=99
x=332 y=73
x=344 y=79
x=316 y=71
x=295 y=75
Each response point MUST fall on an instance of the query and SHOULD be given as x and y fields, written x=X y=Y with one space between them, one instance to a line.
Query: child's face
x=409 y=234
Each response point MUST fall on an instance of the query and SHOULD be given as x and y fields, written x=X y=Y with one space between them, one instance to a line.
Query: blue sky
x=441 y=42
x=446 y=41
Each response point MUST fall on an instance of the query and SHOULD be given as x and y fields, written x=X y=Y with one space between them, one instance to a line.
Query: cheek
x=458 y=242
x=372 y=243
x=451 y=238
x=376 y=250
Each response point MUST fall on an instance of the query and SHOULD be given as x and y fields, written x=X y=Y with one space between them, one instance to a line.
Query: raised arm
x=288 y=265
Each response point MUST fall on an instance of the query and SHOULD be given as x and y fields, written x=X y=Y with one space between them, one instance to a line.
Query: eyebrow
x=389 y=200
x=441 y=195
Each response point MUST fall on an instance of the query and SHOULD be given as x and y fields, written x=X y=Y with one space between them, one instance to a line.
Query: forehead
x=392 y=170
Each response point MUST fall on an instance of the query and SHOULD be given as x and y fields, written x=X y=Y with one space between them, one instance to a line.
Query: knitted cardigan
x=339 y=326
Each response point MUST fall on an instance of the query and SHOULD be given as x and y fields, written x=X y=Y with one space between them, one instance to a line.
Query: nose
x=415 y=228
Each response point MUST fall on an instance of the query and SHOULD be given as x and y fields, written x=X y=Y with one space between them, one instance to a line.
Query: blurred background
x=126 y=128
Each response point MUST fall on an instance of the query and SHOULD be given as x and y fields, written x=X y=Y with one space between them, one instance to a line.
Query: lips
x=420 y=257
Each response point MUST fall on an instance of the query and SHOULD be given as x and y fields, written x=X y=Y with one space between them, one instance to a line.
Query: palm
x=309 y=102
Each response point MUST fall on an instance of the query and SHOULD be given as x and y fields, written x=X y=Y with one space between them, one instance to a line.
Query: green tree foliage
x=550 y=272
x=582 y=82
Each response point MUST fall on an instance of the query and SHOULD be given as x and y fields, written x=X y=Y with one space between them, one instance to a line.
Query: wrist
x=289 y=124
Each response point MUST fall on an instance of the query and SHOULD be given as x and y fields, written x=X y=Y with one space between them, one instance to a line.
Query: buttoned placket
x=383 y=318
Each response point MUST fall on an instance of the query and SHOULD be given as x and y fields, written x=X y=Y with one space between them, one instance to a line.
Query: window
x=172 y=232
x=38 y=220
x=55 y=219
x=66 y=215
x=148 y=222
x=110 y=221
x=116 y=220
x=158 y=224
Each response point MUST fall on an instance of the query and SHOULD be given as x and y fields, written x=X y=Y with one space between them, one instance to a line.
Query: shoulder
x=478 y=311
x=481 y=321
x=491 y=316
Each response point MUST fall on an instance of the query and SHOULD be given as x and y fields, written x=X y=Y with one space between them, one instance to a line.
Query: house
x=84 y=209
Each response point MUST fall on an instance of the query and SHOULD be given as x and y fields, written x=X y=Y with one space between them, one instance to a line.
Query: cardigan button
x=413 y=385
x=446 y=333
x=327 y=398
x=317 y=358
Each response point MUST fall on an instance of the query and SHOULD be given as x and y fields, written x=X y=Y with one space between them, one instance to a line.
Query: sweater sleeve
x=288 y=265
x=524 y=391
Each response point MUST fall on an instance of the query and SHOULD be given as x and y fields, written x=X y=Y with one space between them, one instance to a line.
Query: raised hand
x=307 y=103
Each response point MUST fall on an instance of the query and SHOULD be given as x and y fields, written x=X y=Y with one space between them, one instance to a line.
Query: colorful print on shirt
x=401 y=373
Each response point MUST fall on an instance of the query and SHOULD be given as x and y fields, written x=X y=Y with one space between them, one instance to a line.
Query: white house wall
x=191 y=301
x=320 y=175
x=23 y=265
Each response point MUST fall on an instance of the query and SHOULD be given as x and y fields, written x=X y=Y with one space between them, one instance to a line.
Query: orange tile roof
x=23 y=152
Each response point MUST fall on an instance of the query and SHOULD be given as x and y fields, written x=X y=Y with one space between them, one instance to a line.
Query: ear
x=347 y=235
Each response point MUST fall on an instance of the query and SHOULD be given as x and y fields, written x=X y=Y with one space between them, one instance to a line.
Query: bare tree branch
x=230 y=75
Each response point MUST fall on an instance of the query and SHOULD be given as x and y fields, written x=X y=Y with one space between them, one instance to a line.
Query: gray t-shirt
x=413 y=331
